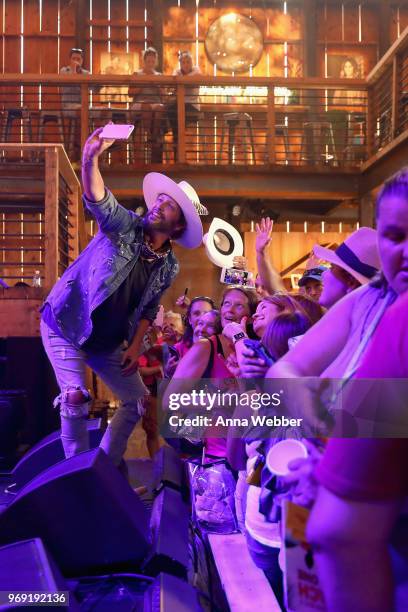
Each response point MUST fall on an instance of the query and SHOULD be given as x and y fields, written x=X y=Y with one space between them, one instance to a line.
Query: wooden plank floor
x=244 y=584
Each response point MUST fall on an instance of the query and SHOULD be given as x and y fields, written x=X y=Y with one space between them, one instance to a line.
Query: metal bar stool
x=50 y=117
x=283 y=132
x=230 y=123
x=318 y=142
x=13 y=114
x=17 y=114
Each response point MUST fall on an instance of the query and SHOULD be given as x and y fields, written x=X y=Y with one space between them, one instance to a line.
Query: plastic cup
x=282 y=453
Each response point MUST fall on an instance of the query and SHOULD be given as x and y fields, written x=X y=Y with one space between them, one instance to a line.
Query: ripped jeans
x=69 y=364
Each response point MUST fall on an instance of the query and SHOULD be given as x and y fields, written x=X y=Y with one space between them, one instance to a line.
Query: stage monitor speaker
x=48 y=452
x=27 y=566
x=169 y=525
x=168 y=594
x=168 y=469
x=85 y=512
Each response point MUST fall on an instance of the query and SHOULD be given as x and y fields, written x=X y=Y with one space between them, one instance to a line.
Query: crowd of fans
x=348 y=320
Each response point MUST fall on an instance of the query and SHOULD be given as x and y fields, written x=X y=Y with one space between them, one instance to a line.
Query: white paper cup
x=282 y=453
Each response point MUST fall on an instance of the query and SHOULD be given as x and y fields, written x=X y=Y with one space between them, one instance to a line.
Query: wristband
x=238 y=336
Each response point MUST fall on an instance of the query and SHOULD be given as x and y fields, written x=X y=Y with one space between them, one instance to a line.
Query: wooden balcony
x=310 y=149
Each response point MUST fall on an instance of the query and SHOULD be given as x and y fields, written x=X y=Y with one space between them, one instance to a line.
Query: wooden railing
x=199 y=120
x=42 y=221
x=387 y=121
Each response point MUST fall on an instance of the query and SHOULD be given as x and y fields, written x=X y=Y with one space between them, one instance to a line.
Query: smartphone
x=233 y=276
x=173 y=352
x=116 y=131
x=260 y=351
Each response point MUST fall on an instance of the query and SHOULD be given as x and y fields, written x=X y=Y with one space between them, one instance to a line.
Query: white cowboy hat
x=358 y=254
x=186 y=197
x=222 y=243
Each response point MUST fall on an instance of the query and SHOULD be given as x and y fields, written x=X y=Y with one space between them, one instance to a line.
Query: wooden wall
x=202 y=277
x=37 y=34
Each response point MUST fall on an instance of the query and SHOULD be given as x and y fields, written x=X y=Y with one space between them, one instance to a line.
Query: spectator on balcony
x=147 y=100
x=191 y=98
x=71 y=94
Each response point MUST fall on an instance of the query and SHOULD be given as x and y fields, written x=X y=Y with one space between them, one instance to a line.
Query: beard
x=156 y=222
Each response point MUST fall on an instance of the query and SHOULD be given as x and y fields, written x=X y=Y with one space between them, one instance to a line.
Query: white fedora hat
x=154 y=184
x=222 y=243
x=358 y=254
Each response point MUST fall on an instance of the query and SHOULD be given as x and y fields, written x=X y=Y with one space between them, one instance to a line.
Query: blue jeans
x=69 y=364
x=266 y=558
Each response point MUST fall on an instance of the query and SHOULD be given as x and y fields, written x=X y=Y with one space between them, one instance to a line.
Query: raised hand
x=240 y=263
x=263 y=234
x=183 y=301
x=95 y=146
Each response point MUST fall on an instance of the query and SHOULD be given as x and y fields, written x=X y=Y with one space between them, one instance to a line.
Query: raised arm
x=270 y=278
x=191 y=366
x=321 y=344
x=92 y=181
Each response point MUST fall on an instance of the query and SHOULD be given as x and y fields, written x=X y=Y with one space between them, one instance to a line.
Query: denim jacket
x=101 y=268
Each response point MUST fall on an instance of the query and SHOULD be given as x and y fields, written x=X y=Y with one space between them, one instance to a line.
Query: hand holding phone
x=116 y=131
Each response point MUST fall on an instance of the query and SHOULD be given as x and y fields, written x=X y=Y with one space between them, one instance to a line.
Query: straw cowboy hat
x=186 y=197
x=358 y=254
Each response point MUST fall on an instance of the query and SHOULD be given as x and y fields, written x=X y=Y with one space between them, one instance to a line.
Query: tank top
x=216 y=368
x=369 y=302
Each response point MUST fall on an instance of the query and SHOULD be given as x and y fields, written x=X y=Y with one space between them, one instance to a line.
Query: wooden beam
x=84 y=113
x=385 y=16
x=310 y=37
x=156 y=7
x=366 y=210
x=395 y=94
x=271 y=125
x=51 y=216
x=181 y=119
x=81 y=15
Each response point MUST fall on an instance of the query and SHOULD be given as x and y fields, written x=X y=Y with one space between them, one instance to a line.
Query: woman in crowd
x=263 y=537
x=196 y=308
x=348 y=326
x=207 y=358
x=147 y=99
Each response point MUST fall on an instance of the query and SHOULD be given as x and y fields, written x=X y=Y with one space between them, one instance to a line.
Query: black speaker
x=169 y=533
x=85 y=512
x=168 y=469
x=168 y=594
x=28 y=567
x=48 y=452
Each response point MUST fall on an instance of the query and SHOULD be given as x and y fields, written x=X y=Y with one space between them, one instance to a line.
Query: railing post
x=51 y=258
x=84 y=113
x=370 y=126
x=181 y=120
x=395 y=95
x=270 y=121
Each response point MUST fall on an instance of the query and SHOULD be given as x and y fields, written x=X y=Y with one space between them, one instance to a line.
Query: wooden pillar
x=385 y=16
x=81 y=24
x=271 y=126
x=366 y=210
x=84 y=113
x=181 y=118
x=310 y=38
x=51 y=216
x=157 y=18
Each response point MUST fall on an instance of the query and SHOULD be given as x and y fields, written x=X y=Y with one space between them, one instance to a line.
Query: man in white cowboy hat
x=355 y=262
x=110 y=295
